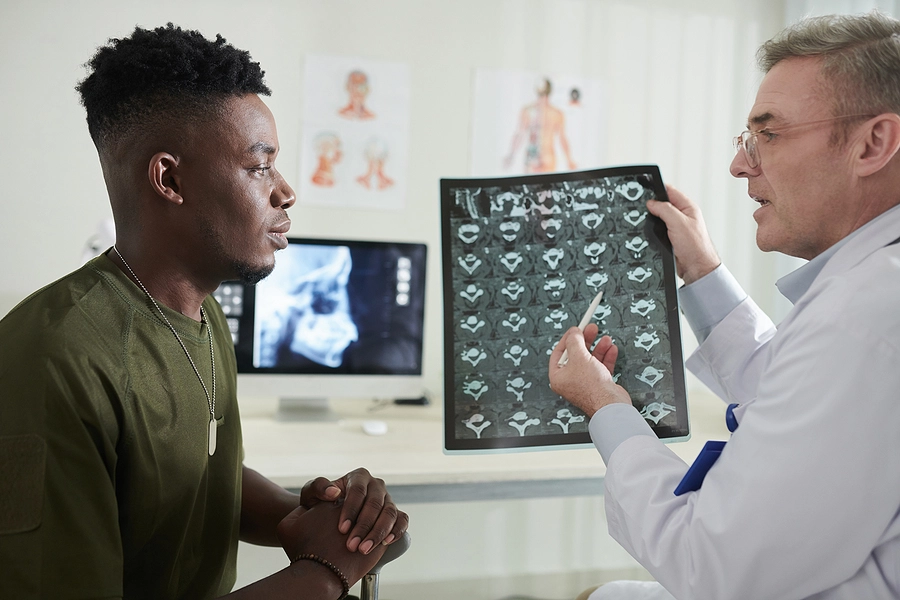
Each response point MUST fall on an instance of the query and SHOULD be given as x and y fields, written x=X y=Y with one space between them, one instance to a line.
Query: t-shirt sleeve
x=59 y=533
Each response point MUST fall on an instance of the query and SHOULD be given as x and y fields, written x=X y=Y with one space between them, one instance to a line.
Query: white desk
x=470 y=508
x=410 y=459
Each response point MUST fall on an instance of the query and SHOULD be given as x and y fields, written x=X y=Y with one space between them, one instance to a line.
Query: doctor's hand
x=586 y=379
x=695 y=255
x=368 y=515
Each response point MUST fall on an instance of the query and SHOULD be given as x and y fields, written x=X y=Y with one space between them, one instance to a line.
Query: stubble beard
x=249 y=274
x=241 y=270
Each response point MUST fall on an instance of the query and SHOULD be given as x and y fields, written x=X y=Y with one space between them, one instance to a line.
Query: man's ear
x=879 y=145
x=164 y=176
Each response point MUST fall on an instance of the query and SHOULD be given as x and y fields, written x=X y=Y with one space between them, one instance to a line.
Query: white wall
x=679 y=75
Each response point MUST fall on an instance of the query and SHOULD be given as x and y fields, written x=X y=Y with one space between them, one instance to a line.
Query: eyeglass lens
x=747 y=141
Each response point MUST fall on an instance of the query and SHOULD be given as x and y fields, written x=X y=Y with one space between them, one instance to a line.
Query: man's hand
x=368 y=515
x=695 y=255
x=586 y=379
x=315 y=531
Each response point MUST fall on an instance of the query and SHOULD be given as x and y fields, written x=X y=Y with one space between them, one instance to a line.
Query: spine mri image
x=523 y=258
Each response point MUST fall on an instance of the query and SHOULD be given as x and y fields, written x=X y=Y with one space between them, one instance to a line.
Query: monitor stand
x=317 y=410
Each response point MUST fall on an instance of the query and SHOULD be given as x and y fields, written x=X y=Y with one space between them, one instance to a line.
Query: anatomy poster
x=354 y=143
x=526 y=122
x=522 y=259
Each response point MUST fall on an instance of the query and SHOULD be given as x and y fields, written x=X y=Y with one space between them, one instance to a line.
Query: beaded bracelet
x=315 y=558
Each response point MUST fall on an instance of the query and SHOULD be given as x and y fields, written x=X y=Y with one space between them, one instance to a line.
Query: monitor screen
x=331 y=308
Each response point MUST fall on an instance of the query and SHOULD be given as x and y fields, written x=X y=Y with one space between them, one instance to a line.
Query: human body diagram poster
x=525 y=122
x=354 y=142
x=522 y=259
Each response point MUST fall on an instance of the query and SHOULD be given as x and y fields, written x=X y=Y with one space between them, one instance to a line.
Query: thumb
x=668 y=212
x=678 y=200
x=575 y=344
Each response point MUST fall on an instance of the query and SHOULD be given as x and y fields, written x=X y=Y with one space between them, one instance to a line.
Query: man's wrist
x=697 y=274
x=604 y=397
x=333 y=584
x=612 y=425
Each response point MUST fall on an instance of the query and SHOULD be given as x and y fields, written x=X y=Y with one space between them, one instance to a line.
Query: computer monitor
x=335 y=319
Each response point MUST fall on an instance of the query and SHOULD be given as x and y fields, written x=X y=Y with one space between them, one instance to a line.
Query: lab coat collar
x=845 y=254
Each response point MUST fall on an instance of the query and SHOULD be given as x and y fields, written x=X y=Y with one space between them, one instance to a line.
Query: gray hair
x=860 y=59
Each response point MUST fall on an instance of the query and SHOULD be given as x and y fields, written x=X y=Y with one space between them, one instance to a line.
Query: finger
x=400 y=527
x=558 y=349
x=607 y=353
x=318 y=490
x=576 y=344
x=670 y=214
x=382 y=527
x=590 y=333
x=356 y=488
x=602 y=347
x=376 y=502
x=678 y=200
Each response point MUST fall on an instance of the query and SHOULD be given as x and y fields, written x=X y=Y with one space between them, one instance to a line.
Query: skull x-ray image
x=332 y=307
x=307 y=312
x=523 y=257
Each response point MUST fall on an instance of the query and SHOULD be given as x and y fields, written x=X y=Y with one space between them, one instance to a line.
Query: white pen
x=584 y=322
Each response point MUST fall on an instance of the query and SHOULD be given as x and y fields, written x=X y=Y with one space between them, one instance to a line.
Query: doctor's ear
x=879 y=145
x=164 y=176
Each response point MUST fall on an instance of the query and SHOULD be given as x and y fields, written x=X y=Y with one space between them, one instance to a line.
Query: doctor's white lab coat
x=804 y=501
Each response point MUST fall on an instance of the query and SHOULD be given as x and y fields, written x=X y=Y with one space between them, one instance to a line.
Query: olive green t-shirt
x=106 y=486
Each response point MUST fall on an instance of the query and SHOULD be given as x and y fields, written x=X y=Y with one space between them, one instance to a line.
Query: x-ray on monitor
x=335 y=319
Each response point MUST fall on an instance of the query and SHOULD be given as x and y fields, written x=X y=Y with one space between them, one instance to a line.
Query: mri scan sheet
x=522 y=259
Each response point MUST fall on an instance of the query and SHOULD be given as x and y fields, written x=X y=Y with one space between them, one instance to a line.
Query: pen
x=584 y=321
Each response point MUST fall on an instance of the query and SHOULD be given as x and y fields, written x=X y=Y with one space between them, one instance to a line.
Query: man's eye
x=769 y=135
x=262 y=170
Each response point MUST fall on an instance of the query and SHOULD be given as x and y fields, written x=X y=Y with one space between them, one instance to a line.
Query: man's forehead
x=789 y=92
x=249 y=125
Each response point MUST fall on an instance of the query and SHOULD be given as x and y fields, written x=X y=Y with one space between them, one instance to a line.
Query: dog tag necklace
x=210 y=399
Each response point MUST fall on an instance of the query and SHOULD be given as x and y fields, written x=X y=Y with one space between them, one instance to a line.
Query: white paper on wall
x=355 y=133
x=525 y=122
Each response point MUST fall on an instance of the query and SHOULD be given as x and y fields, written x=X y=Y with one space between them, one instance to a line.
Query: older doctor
x=805 y=499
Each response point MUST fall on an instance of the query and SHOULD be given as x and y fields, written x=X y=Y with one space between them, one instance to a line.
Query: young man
x=804 y=501
x=120 y=438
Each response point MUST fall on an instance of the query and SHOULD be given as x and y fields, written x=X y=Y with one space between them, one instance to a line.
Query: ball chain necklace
x=210 y=399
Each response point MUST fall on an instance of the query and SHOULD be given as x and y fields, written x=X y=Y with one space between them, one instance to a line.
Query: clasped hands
x=347 y=521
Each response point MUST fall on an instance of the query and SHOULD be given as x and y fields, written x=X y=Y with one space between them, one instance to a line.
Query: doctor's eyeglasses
x=748 y=140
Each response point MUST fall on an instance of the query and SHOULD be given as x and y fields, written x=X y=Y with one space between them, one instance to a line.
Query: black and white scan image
x=332 y=307
x=523 y=258
x=303 y=309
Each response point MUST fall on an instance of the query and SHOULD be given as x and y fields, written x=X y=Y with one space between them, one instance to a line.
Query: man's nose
x=283 y=195
x=740 y=167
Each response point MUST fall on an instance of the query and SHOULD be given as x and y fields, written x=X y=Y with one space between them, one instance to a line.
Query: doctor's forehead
x=791 y=92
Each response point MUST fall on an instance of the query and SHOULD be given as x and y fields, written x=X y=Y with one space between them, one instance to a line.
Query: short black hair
x=159 y=74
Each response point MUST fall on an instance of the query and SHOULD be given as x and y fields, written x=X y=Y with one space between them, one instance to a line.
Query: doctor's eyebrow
x=759 y=121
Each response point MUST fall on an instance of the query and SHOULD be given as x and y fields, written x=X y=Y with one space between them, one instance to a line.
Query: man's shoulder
x=875 y=276
x=71 y=308
x=864 y=294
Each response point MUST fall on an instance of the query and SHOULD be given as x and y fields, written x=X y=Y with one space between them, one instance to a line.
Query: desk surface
x=411 y=452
